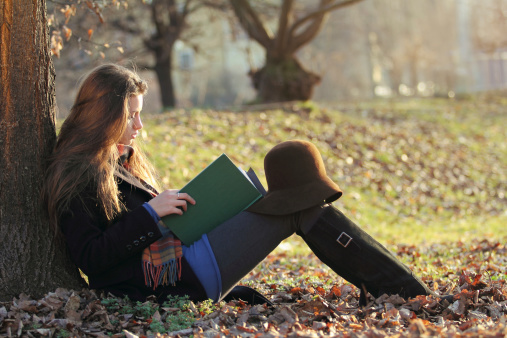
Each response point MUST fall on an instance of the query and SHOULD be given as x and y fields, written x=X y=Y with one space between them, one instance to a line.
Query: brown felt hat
x=296 y=179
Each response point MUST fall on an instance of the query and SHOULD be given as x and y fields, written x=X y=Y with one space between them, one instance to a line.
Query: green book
x=220 y=191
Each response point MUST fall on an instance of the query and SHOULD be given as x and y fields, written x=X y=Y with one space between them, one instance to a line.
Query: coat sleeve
x=96 y=248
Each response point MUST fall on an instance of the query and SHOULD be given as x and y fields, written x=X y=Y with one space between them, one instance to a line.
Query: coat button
x=151 y=234
x=136 y=242
x=129 y=247
x=142 y=238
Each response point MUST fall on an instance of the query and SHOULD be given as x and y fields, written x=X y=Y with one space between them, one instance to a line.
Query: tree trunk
x=284 y=80
x=30 y=260
x=163 y=69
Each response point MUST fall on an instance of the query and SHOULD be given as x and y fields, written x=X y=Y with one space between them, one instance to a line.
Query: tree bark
x=251 y=23
x=169 y=22
x=163 y=69
x=31 y=261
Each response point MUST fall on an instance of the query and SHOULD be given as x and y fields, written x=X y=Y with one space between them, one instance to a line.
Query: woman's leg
x=242 y=242
x=359 y=258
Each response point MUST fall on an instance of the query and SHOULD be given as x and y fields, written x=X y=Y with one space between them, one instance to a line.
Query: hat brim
x=288 y=201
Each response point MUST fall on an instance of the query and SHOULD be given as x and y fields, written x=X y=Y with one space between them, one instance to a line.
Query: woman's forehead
x=136 y=103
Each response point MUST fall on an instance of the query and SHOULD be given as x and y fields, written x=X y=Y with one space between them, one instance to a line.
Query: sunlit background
x=375 y=48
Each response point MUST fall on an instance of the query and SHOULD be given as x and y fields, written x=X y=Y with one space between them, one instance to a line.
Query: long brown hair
x=86 y=154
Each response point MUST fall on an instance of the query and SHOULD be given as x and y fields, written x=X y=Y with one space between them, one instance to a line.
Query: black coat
x=110 y=256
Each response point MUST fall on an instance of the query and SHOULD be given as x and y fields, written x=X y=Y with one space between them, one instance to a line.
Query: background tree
x=30 y=260
x=170 y=19
x=283 y=78
x=148 y=31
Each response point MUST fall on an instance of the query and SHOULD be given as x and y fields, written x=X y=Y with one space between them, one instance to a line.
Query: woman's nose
x=137 y=123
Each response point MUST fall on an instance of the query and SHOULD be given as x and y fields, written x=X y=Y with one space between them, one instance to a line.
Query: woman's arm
x=95 y=248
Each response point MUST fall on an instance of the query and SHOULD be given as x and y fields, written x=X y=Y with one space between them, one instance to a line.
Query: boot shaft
x=360 y=259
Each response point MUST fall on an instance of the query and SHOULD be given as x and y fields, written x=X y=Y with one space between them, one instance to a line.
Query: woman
x=102 y=196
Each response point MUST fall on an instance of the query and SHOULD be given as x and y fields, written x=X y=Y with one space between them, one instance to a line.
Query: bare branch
x=314 y=27
x=308 y=34
x=167 y=32
x=250 y=21
x=155 y=12
x=186 y=8
x=176 y=19
x=125 y=27
x=283 y=24
x=320 y=11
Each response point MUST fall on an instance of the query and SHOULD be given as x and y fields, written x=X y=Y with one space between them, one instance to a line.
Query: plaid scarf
x=162 y=259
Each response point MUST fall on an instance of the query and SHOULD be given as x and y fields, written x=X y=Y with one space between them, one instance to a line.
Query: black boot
x=360 y=259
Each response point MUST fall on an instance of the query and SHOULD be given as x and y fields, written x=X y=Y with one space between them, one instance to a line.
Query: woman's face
x=134 y=120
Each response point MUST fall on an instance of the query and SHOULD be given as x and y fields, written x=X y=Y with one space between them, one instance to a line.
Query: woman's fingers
x=185 y=196
x=181 y=204
x=171 y=202
x=177 y=210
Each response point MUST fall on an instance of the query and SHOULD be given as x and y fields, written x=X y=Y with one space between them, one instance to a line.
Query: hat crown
x=296 y=178
x=293 y=163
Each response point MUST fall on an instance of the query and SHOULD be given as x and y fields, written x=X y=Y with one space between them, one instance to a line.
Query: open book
x=221 y=191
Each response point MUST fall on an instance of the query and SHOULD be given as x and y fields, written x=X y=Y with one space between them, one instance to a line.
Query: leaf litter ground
x=408 y=167
x=309 y=301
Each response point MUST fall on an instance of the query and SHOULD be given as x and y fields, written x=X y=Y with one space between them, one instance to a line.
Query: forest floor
x=426 y=177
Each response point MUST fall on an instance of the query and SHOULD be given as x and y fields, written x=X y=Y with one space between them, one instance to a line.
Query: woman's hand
x=170 y=202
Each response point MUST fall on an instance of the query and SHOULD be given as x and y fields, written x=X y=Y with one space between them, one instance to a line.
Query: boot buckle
x=344 y=239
